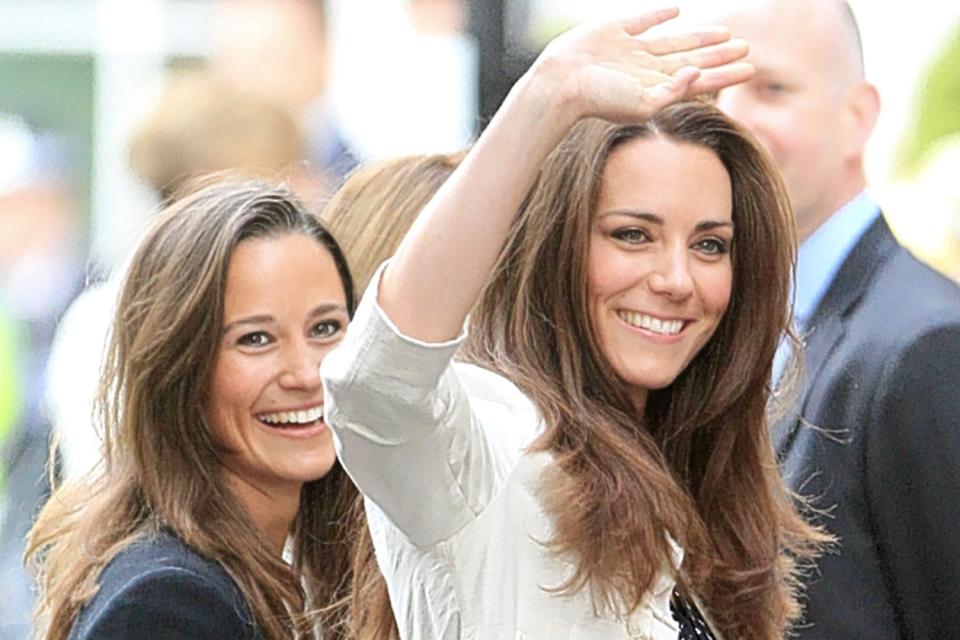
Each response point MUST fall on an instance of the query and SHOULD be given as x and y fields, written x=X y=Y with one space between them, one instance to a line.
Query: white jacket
x=438 y=450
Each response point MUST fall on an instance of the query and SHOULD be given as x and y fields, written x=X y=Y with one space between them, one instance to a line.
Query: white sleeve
x=428 y=452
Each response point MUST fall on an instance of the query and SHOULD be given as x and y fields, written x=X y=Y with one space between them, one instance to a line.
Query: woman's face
x=659 y=264
x=284 y=309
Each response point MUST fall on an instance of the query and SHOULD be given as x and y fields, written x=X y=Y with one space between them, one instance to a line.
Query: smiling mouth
x=292 y=419
x=654 y=325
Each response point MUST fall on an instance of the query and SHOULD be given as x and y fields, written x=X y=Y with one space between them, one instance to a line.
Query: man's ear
x=862 y=107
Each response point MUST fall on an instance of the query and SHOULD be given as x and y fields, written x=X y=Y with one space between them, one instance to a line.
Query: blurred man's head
x=201 y=125
x=275 y=47
x=809 y=103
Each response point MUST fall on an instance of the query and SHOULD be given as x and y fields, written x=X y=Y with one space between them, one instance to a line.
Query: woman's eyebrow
x=706 y=225
x=257 y=319
x=703 y=225
x=327 y=307
x=633 y=213
x=265 y=318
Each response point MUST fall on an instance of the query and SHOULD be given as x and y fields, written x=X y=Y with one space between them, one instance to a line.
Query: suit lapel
x=827 y=324
x=818 y=343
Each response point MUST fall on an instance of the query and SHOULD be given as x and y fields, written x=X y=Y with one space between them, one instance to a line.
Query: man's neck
x=811 y=219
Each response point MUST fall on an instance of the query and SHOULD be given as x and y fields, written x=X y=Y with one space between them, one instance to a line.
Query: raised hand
x=611 y=70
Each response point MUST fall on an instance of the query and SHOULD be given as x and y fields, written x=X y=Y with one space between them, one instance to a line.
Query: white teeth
x=663 y=327
x=293 y=417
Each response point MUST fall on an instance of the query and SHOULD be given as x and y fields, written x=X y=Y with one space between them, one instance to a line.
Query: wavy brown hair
x=698 y=464
x=374 y=208
x=161 y=466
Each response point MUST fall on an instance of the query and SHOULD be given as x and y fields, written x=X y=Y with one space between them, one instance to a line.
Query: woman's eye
x=712 y=246
x=255 y=339
x=632 y=236
x=327 y=328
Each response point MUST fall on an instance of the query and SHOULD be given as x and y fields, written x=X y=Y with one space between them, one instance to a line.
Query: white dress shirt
x=452 y=497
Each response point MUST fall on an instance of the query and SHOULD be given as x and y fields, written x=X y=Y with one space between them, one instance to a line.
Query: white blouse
x=438 y=450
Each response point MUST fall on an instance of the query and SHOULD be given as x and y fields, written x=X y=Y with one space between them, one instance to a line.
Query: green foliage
x=937 y=106
x=11 y=392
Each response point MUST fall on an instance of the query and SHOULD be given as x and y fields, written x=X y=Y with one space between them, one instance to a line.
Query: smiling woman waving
x=602 y=469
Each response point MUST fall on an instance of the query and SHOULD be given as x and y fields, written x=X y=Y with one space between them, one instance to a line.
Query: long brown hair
x=698 y=464
x=373 y=210
x=160 y=466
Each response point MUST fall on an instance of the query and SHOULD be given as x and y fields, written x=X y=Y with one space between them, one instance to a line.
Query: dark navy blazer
x=878 y=449
x=160 y=588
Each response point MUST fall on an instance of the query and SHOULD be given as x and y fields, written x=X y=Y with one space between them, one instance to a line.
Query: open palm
x=610 y=70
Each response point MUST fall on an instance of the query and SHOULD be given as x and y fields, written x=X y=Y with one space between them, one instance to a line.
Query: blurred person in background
x=199 y=125
x=16 y=504
x=373 y=210
x=280 y=49
x=217 y=458
x=874 y=436
x=40 y=273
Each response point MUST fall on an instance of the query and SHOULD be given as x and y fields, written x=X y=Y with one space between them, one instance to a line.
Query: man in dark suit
x=874 y=439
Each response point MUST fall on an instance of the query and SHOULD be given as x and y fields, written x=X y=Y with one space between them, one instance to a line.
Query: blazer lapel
x=818 y=343
x=827 y=324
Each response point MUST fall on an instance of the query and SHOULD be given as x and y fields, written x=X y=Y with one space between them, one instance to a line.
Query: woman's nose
x=671 y=276
x=301 y=367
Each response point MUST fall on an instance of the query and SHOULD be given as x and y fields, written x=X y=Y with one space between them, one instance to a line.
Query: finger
x=711 y=80
x=686 y=76
x=646 y=76
x=673 y=89
x=687 y=41
x=706 y=57
x=635 y=25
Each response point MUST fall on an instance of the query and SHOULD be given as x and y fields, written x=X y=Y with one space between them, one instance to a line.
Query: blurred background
x=108 y=106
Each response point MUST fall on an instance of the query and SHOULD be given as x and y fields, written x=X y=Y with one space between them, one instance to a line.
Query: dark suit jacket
x=883 y=389
x=159 y=588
